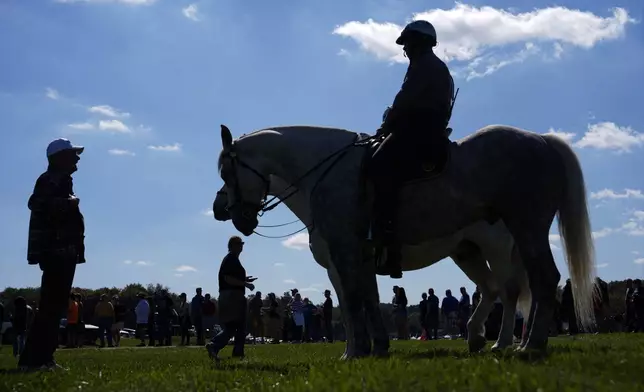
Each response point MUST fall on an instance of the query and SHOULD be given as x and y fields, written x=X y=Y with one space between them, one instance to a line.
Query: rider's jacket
x=424 y=101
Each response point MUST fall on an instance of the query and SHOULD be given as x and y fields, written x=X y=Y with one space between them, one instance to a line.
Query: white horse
x=470 y=247
x=498 y=174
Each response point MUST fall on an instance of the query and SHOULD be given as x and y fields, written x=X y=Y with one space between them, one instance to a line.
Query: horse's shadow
x=283 y=369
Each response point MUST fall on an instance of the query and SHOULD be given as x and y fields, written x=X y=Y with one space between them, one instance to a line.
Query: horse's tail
x=576 y=234
x=524 y=302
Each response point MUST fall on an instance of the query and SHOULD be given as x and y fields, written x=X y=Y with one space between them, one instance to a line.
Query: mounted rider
x=415 y=129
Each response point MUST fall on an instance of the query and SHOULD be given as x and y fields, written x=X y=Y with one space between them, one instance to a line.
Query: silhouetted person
x=196 y=314
x=56 y=244
x=233 y=283
x=327 y=314
x=568 y=308
x=432 y=315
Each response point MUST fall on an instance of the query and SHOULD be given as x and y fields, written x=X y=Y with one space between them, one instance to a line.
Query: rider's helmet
x=419 y=29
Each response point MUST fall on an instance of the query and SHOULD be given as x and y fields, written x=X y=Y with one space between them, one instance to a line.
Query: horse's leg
x=470 y=260
x=372 y=310
x=543 y=276
x=345 y=272
x=510 y=273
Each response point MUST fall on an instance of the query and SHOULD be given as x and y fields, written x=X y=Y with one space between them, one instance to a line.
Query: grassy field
x=591 y=363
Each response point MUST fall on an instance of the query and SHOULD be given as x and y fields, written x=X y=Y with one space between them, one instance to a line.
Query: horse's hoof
x=476 y=343
x=499 y=346
x=380 y=353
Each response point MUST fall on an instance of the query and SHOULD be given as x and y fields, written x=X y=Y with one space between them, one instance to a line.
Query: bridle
x=251 y=210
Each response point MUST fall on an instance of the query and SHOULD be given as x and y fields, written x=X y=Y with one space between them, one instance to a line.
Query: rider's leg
x=385 y=175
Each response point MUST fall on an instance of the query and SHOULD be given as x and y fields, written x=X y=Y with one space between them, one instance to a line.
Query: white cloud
x=142 y=263
x=611 y=194
x=309 y=289
x=118 y=151
x=113 y=126
x=635 y=252
x=108 y=111
x=554 y=247
x=178 y=275
x=52 y=94
x=279 y=265
x=602 y=265
x=633 y=228
x=610 y=136
x=477 y=36
x=298 y=241
x=208 y=212
x=639 y=215
x=603 y=232
x=127 y=2
x=289 y=281
x=185 y=268
x=554 y=237
x=167 y=148
x=191 y=12
x=639 y=261
x=567 y=136
x=81 y=126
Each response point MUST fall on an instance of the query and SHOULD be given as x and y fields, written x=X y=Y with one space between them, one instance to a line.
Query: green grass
x=591 y=363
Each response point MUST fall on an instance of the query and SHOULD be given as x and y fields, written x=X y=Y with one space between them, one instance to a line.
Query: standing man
x=327 y=313
x=432 y=315
x=232 y=301
x=196 y=314
x=56 y=244
x=120 y=311
x=142 y=311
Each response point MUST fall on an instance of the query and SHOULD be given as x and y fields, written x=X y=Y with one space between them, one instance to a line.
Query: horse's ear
x=226 y=137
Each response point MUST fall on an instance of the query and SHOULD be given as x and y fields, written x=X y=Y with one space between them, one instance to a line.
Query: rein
x=267 y=205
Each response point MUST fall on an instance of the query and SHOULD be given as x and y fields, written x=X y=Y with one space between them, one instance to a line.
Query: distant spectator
x=209 y=309
x=73 y=315
x=309 y=310
x=327 y=314
x=20 y=322
x=638 y=302
x=601 y=304
x=273 y=324
x=449 y=308
x=297 y=307
x=233 y=283
x=119 y=319
x=196 y=314
x=400 y=314
x=152 y=318
x=629 y=321
x=142 y=312
x=184 y=319
x=567 y=312
x=432 y=315
x=422 y=308
x=256 y=316
x=476 y=298
x=463 y=312
x=80 y=331
x=104 y=312
x=165 y=310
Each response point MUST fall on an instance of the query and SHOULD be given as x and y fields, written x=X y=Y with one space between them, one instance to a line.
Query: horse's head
x=246 y=182
x=220 y=205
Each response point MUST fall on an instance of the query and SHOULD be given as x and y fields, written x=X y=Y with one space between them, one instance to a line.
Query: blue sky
x=145 y=84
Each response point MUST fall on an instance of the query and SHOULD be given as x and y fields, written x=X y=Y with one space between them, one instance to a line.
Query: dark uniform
x=56 y=243
x=416 y=123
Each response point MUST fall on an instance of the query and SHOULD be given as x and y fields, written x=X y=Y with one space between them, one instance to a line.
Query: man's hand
x=250 y=279
x=250 y=286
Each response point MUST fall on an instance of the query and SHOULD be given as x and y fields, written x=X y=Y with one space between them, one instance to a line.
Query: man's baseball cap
x=61 y=144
